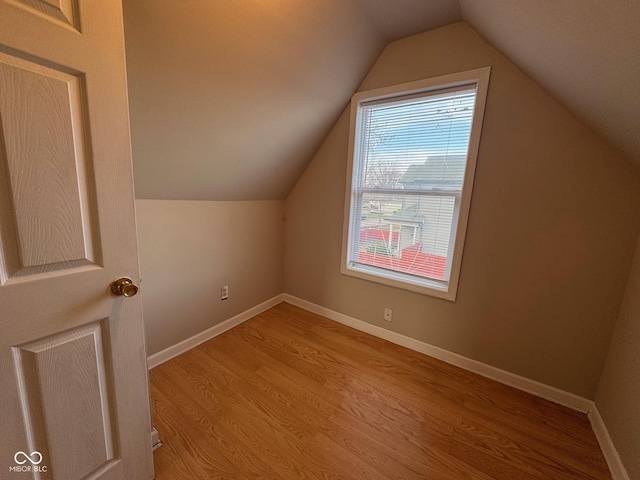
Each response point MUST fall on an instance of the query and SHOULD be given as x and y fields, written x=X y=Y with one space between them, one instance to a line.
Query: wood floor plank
x=289 y=434
x=302 y=397
x=187 y=435
x=525 y=456
x=550 y=444
x=292 y=395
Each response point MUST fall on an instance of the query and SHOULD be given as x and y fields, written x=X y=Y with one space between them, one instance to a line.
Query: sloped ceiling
x=585 y=53
x=230 y=99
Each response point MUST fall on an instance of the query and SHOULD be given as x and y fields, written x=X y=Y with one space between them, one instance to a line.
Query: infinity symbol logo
x=28 y=458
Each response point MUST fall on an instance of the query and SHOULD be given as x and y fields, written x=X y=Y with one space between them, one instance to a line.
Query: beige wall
x=618 y=398
x=554 y=220
x=190 y=249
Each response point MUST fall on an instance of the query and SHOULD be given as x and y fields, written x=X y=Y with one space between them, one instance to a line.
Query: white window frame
x=441 y=289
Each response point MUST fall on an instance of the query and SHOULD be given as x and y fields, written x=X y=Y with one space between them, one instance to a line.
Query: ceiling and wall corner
x=584 y=53
x=231 y=99
x=553 y=208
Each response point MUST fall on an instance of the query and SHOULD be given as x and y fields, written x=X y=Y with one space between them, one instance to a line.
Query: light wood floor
x=291 y=395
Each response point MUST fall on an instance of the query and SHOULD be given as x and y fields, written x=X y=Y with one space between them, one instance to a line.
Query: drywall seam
x=181 y=347
x=616 y=467
x=547 y=392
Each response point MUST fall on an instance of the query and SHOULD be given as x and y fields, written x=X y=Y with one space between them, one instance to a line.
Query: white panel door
x=73 y=381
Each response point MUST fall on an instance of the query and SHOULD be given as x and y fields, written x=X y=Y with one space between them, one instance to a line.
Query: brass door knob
x=124 y=286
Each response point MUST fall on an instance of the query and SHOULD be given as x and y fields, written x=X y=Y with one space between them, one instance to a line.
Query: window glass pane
x=419 y=143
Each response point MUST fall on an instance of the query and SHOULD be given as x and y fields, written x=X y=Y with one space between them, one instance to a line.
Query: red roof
x=411 y=260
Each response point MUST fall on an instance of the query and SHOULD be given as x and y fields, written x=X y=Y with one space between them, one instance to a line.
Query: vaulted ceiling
x=230 y=99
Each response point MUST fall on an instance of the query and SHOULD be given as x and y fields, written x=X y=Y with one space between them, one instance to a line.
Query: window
x=412 y=155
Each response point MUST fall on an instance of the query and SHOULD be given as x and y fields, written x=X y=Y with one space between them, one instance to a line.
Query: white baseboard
x=175 y=350
x=155 y=440
x=616 y=467
x=547 y=392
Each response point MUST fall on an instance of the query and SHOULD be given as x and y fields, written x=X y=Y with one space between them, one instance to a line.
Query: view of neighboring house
x=411 y=233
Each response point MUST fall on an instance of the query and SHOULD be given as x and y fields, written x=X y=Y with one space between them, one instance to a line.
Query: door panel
x=44 y=383
x=63 y=10
x=45 y=170
x=73 y=381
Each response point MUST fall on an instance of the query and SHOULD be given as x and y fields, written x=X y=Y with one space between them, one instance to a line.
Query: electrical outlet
x=224 y=292
x=388 y=314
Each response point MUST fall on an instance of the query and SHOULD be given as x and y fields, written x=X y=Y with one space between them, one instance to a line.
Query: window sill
x=433 y=288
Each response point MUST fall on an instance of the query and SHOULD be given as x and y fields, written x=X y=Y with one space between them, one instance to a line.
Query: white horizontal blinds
x=417 y=141
x=409 y=167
